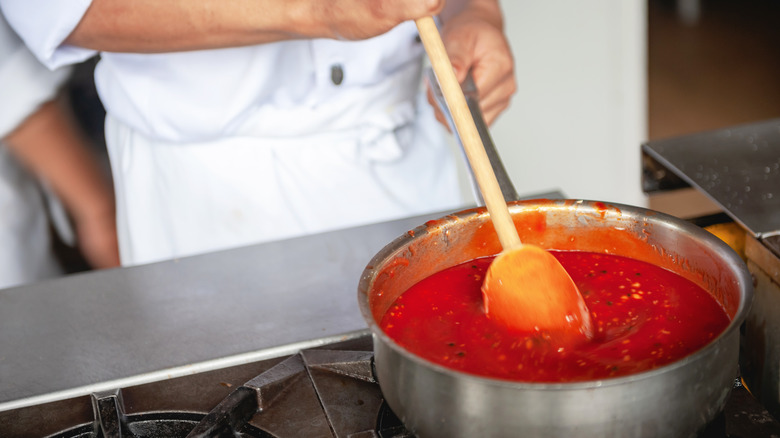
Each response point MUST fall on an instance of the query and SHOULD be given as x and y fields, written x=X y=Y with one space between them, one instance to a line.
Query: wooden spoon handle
x=469 y=136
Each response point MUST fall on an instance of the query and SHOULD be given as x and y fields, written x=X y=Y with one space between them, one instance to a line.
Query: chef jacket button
x=337 y=74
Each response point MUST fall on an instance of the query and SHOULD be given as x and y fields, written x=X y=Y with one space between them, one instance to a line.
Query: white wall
x=579 y=117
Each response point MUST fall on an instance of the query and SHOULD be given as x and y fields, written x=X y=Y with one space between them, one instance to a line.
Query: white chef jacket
x=219 y=148
x=26 y=251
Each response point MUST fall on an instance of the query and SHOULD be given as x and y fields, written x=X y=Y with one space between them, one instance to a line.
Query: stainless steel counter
x=114 y=328
x=107 y=329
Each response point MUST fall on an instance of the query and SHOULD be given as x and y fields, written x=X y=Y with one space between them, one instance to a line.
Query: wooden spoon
x=525 y=288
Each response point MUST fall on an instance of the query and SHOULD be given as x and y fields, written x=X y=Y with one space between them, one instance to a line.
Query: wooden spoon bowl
x=527 y=289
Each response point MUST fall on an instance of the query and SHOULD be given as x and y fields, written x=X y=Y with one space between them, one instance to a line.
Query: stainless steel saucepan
x=676 y=400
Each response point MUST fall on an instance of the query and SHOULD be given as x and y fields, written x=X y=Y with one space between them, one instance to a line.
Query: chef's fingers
x=491 y=106
x=493 y=100
x=437 y=111
x=492 y=67
x=480 y=46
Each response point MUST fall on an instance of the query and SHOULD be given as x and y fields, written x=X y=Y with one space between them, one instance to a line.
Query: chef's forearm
x=49 y=144
x=177 y=25
x=159 y=26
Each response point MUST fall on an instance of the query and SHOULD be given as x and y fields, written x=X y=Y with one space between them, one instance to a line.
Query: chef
x=231 y=123
x=43 y=161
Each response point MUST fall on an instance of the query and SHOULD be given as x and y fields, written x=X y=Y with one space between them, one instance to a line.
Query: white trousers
x=176 y=200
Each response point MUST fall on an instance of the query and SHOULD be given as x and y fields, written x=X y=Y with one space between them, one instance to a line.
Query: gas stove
x=327 y=392
x=319 y=392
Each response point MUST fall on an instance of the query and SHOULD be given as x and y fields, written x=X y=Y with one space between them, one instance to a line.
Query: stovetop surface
x=322 y=392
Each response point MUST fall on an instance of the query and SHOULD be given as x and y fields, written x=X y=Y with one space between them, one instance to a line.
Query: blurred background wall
x=580 y=112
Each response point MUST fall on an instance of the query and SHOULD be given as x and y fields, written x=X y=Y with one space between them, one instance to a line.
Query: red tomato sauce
x=643 y=317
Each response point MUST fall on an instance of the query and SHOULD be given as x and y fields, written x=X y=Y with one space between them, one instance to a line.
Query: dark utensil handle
x=472 y=99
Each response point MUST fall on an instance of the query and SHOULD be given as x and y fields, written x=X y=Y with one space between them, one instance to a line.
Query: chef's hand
x=473 y=34
x=361 y=19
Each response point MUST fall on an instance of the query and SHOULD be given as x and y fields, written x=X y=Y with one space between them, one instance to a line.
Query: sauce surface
x=643 y=317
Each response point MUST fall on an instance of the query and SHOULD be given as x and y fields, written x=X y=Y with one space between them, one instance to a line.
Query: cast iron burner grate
x=155 y=425
x=315 y=393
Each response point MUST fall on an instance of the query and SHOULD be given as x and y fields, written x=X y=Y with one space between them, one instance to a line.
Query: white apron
x=176 y=200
